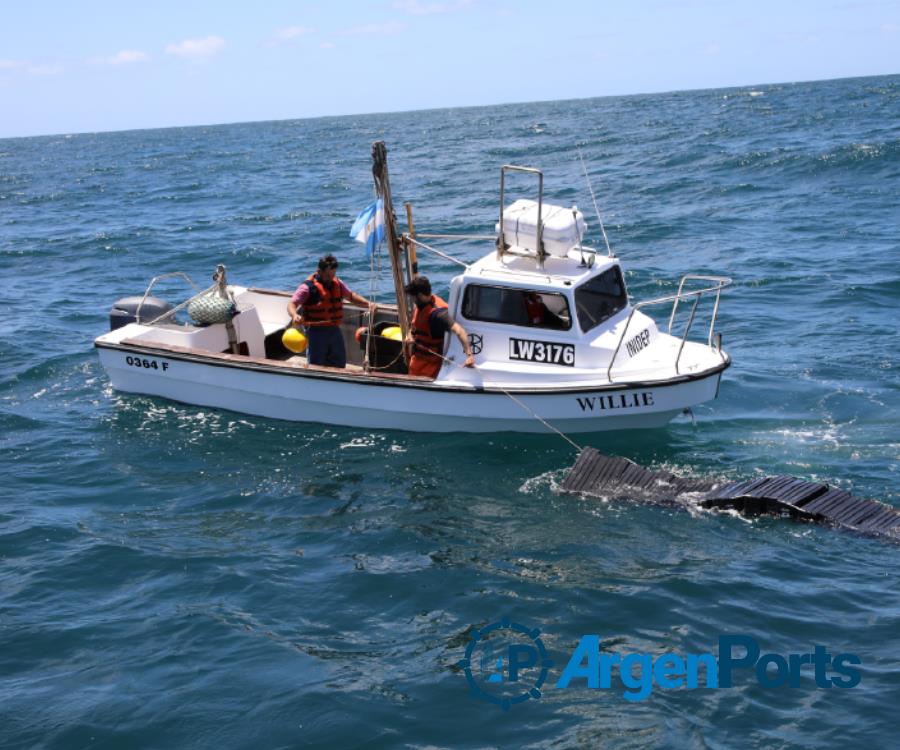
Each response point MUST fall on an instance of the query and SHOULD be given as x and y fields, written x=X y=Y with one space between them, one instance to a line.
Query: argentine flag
x=369 y=226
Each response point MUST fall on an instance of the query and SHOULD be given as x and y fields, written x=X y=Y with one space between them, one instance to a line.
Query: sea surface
x=173 y=576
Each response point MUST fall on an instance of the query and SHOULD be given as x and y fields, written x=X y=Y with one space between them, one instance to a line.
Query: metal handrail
x=150 y=286
x=456 y=236
x=720 y=283
x=501 y=240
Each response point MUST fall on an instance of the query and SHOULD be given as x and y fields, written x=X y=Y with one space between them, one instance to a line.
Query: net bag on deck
x=210 y=308
x=215 y=305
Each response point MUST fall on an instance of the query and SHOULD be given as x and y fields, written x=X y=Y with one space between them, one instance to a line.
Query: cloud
x=391 y=27
x=122 y=57
x=40 y=69
x=45 y=70
x=326 y=45
x=417 y=8
x=196 y=49
x=795 y=38
x=289 y=34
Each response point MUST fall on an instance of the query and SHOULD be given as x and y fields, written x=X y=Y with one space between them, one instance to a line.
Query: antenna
x=594 y=199
x=580 y=246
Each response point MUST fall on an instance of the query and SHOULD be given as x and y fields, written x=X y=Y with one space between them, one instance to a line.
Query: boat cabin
x=520 y=314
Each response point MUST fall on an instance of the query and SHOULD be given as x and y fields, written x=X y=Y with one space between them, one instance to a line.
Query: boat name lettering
x=628 y=400
x=542 y=351
x=149 y=364
x=639 y=342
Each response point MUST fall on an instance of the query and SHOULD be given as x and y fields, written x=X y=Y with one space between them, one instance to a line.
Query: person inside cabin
x=535 y=309
x=430 y=322
x=321 y=298
x=538 y=314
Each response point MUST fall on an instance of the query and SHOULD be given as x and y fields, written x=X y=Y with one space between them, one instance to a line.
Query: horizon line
x=437 y=109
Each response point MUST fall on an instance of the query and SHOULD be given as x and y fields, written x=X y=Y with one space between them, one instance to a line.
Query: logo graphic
x=476 y=342
x=506 y=663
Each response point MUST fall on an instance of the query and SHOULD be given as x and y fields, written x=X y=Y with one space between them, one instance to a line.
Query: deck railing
x=718 y=284
x=170 y=313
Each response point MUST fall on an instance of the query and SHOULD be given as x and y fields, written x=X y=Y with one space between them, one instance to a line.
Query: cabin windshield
x=517 y=307
x=600 y=298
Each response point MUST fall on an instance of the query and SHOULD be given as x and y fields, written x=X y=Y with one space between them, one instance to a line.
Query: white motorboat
x=591 y=361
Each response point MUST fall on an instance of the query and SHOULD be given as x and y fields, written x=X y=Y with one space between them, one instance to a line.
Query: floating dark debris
x=597 y=474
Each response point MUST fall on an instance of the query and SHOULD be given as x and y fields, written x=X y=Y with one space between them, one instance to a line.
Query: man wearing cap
x=430 y=322
x=321 y=298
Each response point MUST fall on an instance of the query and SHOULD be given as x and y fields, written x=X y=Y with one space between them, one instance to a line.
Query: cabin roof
x=518 y=270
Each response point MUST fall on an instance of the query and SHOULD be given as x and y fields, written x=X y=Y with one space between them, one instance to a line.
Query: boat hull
x=307 y=395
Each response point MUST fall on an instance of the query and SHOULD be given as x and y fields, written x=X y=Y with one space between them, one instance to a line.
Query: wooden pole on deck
x=413 y=261
x=383 y=188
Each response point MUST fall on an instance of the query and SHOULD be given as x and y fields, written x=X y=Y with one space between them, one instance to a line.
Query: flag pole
x=383 y=189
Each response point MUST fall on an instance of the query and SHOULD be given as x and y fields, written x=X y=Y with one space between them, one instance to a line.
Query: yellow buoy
x=294 y=340
x=393 y=332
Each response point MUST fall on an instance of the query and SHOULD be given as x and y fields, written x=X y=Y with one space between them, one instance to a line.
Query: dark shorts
x=326 y=346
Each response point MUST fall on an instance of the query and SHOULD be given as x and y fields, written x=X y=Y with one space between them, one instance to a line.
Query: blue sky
x=99 y=65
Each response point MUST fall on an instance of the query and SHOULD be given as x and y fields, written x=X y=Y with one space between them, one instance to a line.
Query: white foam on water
x=550 y=480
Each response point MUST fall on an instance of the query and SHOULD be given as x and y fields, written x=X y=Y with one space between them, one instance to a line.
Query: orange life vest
x=328 y=309
x=427 y=345
x=535 y=310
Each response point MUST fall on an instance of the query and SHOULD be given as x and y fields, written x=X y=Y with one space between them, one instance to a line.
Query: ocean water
x=173 y=576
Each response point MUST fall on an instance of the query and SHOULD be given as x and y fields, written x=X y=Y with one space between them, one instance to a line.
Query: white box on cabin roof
x=564 y=228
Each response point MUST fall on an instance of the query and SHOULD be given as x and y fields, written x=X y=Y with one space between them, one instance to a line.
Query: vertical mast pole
x=411 y=252
x=383 y=188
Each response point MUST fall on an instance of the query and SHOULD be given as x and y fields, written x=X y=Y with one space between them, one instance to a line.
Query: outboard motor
x=125 y=311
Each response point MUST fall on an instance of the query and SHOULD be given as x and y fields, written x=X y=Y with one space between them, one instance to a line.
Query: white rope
x=527 y=408
x=374 y=287
x=543 y=421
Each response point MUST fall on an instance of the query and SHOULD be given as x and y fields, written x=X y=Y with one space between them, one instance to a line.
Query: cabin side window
x=517 y=307
x=600 y=298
